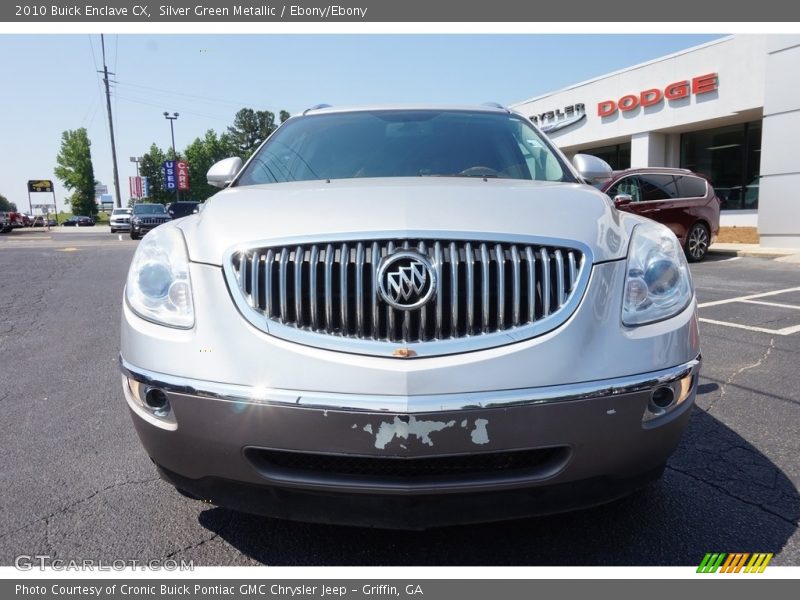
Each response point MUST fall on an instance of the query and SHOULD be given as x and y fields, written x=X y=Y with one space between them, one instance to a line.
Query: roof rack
x=496 y=105
x=316 y=107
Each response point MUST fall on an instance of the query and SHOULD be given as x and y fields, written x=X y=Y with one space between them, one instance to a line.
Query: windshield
x=149 y=209
x=411 y=143
x=121 y=211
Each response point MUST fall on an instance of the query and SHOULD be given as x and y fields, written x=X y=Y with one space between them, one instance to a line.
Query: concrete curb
x=755 y=251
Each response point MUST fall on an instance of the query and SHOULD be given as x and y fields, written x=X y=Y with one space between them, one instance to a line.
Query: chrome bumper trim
x=411 y=404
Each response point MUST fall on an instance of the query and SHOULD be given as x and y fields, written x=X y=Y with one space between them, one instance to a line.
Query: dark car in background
x=147 y=216
x=683 y=201
x=79 y=221
x=184 y=208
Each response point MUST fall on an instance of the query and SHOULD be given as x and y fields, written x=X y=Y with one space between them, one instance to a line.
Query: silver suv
x=409 y=317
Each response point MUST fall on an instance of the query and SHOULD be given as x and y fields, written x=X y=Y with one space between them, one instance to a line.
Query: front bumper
x=120 y=225
x=345 y=458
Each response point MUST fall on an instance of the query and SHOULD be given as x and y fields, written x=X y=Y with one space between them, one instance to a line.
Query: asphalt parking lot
x=77 y=484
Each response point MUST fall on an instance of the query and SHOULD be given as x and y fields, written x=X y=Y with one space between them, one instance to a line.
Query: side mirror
x=594 y=170
x=621 y=200
x=222 y=173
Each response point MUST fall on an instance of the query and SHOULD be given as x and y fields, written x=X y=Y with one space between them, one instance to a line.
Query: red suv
x=683 y=201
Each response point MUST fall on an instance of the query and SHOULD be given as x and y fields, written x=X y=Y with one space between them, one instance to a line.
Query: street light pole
x=172 y=118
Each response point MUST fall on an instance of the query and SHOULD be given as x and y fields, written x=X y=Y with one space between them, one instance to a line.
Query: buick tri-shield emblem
x=406 y=280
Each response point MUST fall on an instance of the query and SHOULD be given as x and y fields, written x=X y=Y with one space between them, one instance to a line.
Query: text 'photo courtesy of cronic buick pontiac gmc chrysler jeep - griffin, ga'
x=409 y=317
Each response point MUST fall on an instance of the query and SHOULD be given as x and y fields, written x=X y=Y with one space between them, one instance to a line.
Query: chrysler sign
x=674 y=91
x=553 y=120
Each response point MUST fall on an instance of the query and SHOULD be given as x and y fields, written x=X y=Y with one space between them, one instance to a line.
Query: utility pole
x=118 y=201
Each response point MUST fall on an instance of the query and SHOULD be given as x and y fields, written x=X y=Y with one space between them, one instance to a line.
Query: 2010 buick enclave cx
x=409 y=317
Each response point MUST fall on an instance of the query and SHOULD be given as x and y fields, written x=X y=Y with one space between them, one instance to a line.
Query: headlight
x=658 y=284
x=159 y=288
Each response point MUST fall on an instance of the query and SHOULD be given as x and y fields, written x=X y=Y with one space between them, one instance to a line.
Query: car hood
x=407 y=207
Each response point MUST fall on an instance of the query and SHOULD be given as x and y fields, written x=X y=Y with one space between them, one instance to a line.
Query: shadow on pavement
x=707 y=388
x=719 y=255
x=718 y=493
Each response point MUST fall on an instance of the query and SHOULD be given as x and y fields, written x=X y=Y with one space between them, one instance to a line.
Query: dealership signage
x=677 y=90
x=36 y=186
x=40 y=185
x=139 y=187
x=135 y=187
x=176 y=175
x=553 y=120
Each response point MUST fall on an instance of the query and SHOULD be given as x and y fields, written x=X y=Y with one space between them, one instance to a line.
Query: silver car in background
x=120 y=219
x=409 y=317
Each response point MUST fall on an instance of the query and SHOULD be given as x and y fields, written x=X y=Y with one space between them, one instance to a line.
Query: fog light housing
x=157 y=401
x=666 y=398
x=150 y=403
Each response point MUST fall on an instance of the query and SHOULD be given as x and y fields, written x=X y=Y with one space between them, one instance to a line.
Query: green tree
x=6 y=206
x=150 y=167
x=200 y=155
x=74 y=169
x=284 y=116
x=250 y=128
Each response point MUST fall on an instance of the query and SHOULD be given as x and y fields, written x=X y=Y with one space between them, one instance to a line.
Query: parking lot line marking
x=749 y=297
x=775 y=304
x=784 y=331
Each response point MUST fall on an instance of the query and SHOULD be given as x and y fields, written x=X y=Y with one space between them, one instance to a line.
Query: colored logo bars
x=176 y=175
x=139 y=187
x=135 y=185
x=734 y=562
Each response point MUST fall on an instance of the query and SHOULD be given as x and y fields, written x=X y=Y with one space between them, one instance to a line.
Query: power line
x=194 y=96
x=116 y=55
x=92 y=108
x=182 y=110
x=94 y=62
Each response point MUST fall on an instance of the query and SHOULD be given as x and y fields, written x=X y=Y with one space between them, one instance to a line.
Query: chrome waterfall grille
x=480 y=288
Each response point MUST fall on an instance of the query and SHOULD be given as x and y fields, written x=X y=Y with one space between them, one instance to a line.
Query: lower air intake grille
x=485 y=464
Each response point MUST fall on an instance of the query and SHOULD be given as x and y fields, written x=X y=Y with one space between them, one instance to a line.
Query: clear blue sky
x=50 y=83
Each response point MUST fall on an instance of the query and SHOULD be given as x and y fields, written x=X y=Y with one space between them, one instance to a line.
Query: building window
x=730 y=157
x=618 y=155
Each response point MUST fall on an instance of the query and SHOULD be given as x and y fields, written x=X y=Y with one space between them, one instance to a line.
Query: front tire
x=697 y=241
x=134 y=235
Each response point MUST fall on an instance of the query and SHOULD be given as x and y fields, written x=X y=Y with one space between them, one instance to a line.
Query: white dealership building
x=729 y=109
